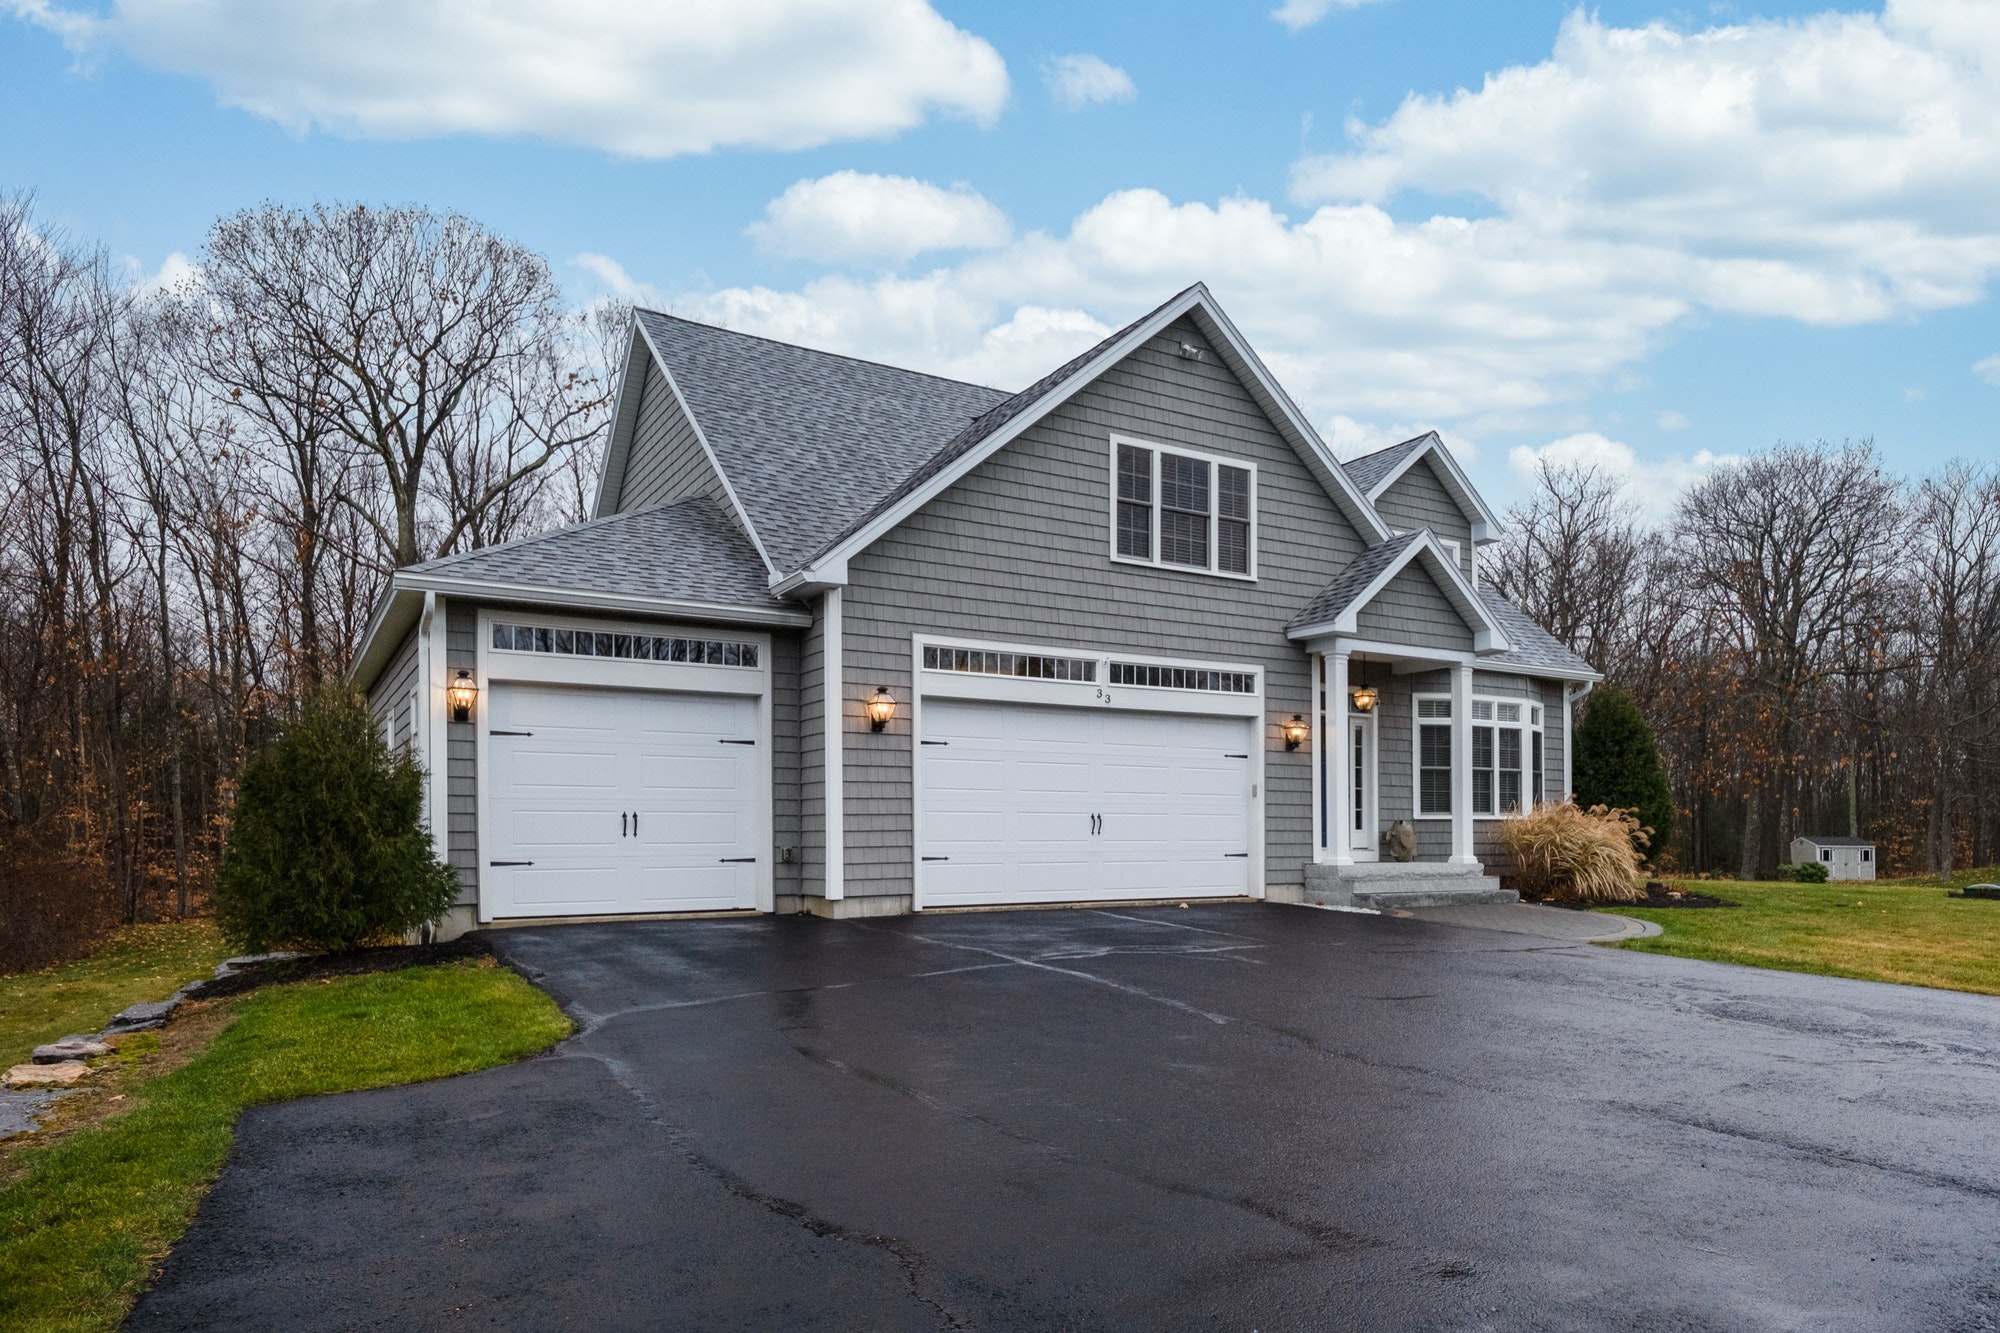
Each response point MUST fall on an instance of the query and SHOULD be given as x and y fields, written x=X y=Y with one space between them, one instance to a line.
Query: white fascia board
x=395 y=613
x=621 y=429
x=579 y=599
x=1360 y=511
x=1485 y=523
x=811 y=580
x=701 y=436
x=1195 y=297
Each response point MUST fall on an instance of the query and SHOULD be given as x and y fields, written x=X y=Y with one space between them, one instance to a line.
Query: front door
x=1363 y=834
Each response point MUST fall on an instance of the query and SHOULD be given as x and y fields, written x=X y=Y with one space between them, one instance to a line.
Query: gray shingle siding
x=665 y=461
x=786 y=653
x=461 y=628
x=390 y=697
x=1018 y=550
x=812 y=751
x=1412 y=609
x=1418 y=499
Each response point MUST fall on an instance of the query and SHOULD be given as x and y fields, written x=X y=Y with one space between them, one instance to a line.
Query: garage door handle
x=729 y=742
x=510 y=863
x=736 y=860
x=510 y=733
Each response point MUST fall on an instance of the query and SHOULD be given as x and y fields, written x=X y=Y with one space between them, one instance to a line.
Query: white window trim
x=1215 y=497
x=1528 y=729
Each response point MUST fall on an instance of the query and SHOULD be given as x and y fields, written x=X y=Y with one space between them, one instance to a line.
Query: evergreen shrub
x=328 y=848
x=1618 y=764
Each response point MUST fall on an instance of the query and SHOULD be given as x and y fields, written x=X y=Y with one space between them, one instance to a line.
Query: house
x=1844 y=858
x=854 y=640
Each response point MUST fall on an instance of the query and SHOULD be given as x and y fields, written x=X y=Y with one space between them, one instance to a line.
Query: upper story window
x=1183 y=510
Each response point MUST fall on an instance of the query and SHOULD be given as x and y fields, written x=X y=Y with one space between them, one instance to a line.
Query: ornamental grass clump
x=1561 y=850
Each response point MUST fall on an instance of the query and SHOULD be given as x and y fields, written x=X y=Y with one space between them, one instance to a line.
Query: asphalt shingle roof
x=811 y=441
x=686 y=551
x=1336 y=596
x=1838 y=842
x=992 y=421
x=1369 y=469
x=1529 y=645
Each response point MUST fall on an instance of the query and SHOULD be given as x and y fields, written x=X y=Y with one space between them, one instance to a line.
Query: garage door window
x=635 y=647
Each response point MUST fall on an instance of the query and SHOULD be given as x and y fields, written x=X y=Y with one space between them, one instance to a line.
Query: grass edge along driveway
x=83 y=1227
x=1907 y=932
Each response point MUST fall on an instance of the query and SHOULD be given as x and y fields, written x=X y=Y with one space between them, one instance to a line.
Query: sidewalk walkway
x=1554 y=923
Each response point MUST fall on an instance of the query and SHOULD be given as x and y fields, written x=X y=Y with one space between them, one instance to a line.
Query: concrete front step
x=1390 y=885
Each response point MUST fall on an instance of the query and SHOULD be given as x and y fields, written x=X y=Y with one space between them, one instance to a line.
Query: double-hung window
x=1183 y=510
x=1506 y=756
x=1433 y=756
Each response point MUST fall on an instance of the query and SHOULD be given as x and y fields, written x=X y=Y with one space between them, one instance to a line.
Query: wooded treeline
x=1816 y=643
x=203 y=486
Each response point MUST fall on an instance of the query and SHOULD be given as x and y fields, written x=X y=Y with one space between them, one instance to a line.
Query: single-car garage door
x=605 y=801
x=1022 y=804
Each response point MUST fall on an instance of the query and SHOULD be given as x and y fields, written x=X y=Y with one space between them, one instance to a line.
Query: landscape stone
x=141 y=1017
x=231 y=966
x=20 y=1112
x=65 y=1075
x=70 y=1048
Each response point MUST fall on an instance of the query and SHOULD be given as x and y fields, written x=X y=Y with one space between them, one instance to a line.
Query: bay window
x=1506 y=756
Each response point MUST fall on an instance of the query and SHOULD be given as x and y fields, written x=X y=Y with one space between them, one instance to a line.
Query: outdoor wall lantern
x=1295 y=732
x=1364 y=699
x=461 y=694
x=881 y=707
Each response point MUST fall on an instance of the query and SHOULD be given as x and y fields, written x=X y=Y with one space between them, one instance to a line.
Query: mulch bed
x=1657 y=895
x=353 y=962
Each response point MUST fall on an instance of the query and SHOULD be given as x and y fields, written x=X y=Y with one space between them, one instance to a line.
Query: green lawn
x=83 y=1226
x=139 y=963
x=1901 y=931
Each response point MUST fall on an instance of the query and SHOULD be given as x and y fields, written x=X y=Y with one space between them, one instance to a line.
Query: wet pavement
x=1227 y=1117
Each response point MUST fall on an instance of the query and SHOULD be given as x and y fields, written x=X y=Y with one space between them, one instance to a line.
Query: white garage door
x=1029 y=805
x=619 y=801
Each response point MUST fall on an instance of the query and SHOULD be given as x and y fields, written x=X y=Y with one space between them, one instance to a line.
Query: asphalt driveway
x=1229 y=1117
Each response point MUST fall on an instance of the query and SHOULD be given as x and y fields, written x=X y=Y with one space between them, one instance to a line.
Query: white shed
x=1844 y=858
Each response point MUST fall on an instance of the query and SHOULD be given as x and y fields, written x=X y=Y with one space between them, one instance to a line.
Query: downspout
x=1570 y=696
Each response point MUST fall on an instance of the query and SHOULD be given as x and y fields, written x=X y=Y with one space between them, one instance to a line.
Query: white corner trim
x=833 y=716
x=701 y=437
x=434 y=662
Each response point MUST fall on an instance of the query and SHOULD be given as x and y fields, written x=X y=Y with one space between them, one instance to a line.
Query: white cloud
x=1077 y=81
x=1592 y=253
x=1988 y=369
x=1655 y=484
x=1298 y=14
x=176 y=270
x=611 y=275
x=851 y=216
x=1834 y=170
x=649 y=80
x=1671 y=421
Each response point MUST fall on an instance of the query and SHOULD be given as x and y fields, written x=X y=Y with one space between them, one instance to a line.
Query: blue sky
x=1644 y=235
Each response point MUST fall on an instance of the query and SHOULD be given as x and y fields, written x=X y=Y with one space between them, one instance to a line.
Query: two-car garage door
x=605 y=801
x=1026 y=804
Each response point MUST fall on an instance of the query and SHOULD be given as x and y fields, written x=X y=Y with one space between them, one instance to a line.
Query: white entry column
x=1339 y=771
x=1461 y=766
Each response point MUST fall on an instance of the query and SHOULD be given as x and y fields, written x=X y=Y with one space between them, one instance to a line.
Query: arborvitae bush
x=1618 y=764
x=328 y=848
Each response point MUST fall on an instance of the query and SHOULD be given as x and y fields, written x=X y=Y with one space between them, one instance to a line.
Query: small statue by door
x=1401 y=841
